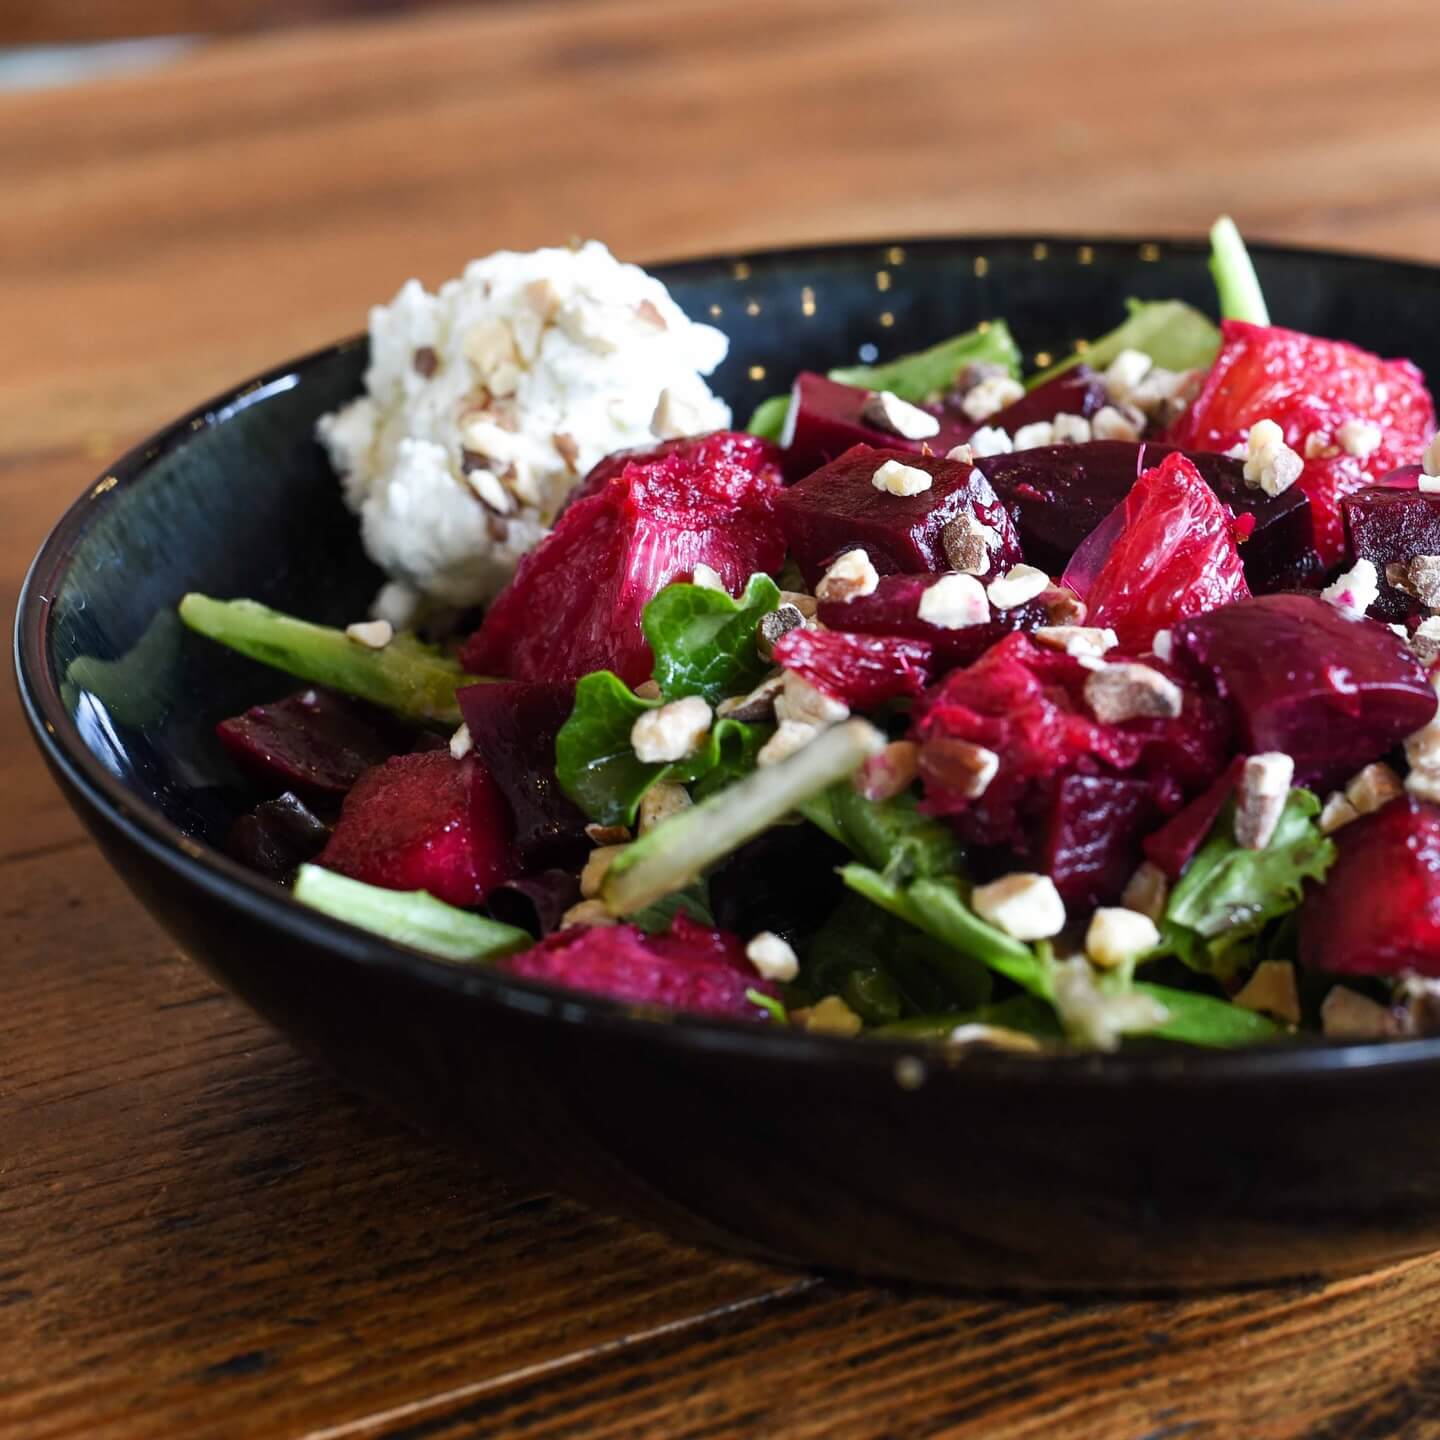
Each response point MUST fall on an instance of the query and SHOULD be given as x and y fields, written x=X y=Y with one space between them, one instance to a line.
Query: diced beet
x=690 y=968
x=535 y=902
x=1090 y=844
x=893 y=608
x=1378 y=912
x=862 y=670
x=1077 y=391
x=1310 y=388
x=1172 y=847
x=1174 y=555
x=825 y=421
x=838 y=507
x=424 y=822
x=576 y=600
x=315 y=740
x=1059 y=494
x=513 y=728
x=277 y=835
x=1303 y=678
x=1389 y=526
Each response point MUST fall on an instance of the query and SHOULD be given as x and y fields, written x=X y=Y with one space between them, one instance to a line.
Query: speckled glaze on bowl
x=1123 y=1172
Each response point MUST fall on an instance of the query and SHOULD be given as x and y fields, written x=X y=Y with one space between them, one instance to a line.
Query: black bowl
x=1122 y=1172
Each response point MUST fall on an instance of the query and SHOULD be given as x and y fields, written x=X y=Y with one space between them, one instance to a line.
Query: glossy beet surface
x=1392 y=526
x=1174 y=1168
x=1379 y=912
x=1332 y=692
x=1075 y=392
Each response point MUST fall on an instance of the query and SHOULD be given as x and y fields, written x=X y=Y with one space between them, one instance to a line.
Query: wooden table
x=199 y=1233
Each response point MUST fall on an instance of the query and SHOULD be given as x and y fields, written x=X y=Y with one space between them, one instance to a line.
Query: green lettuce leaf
x=599 y=770
x=1173 y=334
x=768 y=419
x=1228 y=895
x=704 y=642
x=890 y=836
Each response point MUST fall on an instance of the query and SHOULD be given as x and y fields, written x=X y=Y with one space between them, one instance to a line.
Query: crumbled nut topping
x=1063 y=606
x=800 y=701
x=1419 y=577
x=660 y=802
x=1270 y=464
x=772 y=957
x=488 y=489
x=975 y=1036
x=607 y=834
x=1017 y=585
x=673 y=732
x=890 y=772
x=1346 y=1014
x=896 y=478
x=967 y=543
x=958 y=765
x=707 y=578
x=954 y=602
x=990 y=396
x=1360 y=438
x=587 y=913
x=888 y=412
x=648 y=690
x=1272 y=991
x=789 y=736
x=1129 y=690
x=597 y=864
x=851 y=576
x=461 y=743
x=1111 y=423
x=373 y=634
x=566 y=448
x=1425 y=642
x=1147 y=891
x=489 y=345
x=1355 y=591
x=830 y=1016
x=1336 y=813
x=773 y=625
x=1077 y=639
x=1117 y=936
x=758 y=705
x=1070 y=430
x=1372 y=787
x=1260 y=797
x=1035 y=436
x=1024 y=906
x=807 y=605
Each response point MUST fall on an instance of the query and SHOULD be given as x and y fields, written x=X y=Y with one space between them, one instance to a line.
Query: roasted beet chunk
x=1173 y=846
x=1078 y=391
x=1172 y=555
x=862 y=670
x=1378 y=912
x=576 y=600
x=1331 y=692
x=424 y=822
x=1349 y=414
x=1090 y=842
x=827 y=418
x=1390 y=528
x=1060 y=493
x=314 y=740
x=277 y=835
x=838 y=508
x=691 y=968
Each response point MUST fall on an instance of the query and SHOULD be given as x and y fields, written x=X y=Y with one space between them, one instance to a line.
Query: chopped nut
x=851 y=576
x=1430 y=465
x=889 y=773
x=973 y=373
x=1425 y=642
x=1419 y=577
x=648 y=690
x=461 y=743
x=1424 y=785
x=1034 y=437
x=1346 y=1014
x=1063 y=606
x=1336 y=813
x=707 y=578
x=896 y=478
x=1270 y=464
x=647 y=312
x=958 y=765
x=1260 y=797
x=993 y=1037
x=425 y=361
x=587 y=912
x=954 y=602
x=660 y=802
x=675 y=416
x=990 y=396
x=1077 y=639
x=373 y=634
x=1071 y=430
x=488 y=345
x=566 y=448
x=599 y=860
x=1025 y=907
x=987 y=440
x=673 y=732
x=1359 y=438
x=790 y=736
x=772 y=957
x=775 y=624
x=961 y=454
x=1318 y=446
x=1271 y=990
x=1110 y=423
x=887 y=411
x=1125 y=372
x=1131 y=691
x=1017 y=585
x=1417 y=998
x=607 y=834
x=1117 y=936
x=1162 y=646
x=1355 y=591
x=1163 y=394
x=1372 y=787
x=759 y=704
x=967 y=543
x=1147 y=891
x=487 y=487
x=807 y=605
x=800 y=701
x=542 y=297
x=830 y=1016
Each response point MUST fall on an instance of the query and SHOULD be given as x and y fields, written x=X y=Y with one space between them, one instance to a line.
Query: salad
x=1085 y=708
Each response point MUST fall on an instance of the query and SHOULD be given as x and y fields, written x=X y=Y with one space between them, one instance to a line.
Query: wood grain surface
x=200 y=1235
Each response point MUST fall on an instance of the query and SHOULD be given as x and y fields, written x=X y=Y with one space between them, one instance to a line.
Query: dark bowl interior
x=1123 y=1172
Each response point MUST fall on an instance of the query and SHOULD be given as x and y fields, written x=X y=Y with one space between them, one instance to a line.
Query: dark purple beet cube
x=1391 y=527
x=1090 y=845
x=277 y=835
x=1172 y=847
x=825 y=421
x=1078 y=391
x=1332 y=692
x=838 y=508
x=1059 y=493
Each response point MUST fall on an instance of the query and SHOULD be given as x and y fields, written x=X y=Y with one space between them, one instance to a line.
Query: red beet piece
x=513 y=728
x=838 y=507
x=1310 y=388
x=1090 y=842
x=1389 y=526
x=277 y=835
x=1173 y=556
x=893 y=608
x=424 y=822
x=1332 y=692
x=317 y=741
x=862 y=670
x=1059 y=494
x=826 y=420
x=691 y=968
x=1172 y=847
x=1378 y=912
x=1077 y=391
x=576 y=600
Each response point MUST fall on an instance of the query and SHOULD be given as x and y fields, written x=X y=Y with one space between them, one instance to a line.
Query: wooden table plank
x=199 y=1234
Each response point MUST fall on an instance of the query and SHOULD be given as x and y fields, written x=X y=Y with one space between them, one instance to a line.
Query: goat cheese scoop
x=487 y=402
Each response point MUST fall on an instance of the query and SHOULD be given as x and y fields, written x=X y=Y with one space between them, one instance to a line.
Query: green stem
x=1239 y=288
